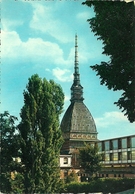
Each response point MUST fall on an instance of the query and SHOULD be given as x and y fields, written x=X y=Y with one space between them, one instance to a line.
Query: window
x=107 y=158
x=115 y=156
x=124 y=156
x=115 y=144
x=100 y=146
x=107 y=145
x=65 y=160
x=133 y=155
x=124 y=143
x=133 y=142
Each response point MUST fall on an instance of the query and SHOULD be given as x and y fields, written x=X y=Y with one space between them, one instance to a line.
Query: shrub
x=108 y=185
x=72 y=177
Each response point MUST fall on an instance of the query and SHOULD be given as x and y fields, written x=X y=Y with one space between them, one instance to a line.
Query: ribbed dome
x=78 y=119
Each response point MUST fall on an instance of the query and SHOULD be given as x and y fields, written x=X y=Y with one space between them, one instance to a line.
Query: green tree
x=41 y=135
x=90 y=159
x=114 y=24
x=72 y=177
x=9 y=145
x=16 y=180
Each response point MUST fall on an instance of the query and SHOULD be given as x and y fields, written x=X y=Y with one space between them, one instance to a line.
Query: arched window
x=65 y=160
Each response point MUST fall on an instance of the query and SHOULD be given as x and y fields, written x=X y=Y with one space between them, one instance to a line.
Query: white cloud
x=44 y=20
x=114 y=124
x=10 y=44
x=62 y=75
x=35 y=49
x=110 y=119
x=9 y=24
x=67 y=98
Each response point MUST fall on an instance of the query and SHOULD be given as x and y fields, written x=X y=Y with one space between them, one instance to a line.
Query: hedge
x=104 y=185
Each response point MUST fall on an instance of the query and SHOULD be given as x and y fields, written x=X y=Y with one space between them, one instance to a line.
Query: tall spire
x=76 y=65
x=76 y=89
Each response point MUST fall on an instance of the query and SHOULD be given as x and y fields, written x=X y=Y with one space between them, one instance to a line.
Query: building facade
x=118 y=157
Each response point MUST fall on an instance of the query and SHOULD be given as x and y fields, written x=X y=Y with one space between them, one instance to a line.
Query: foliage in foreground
x=108 y=185
x=114 y=24
x=41 y=137
x=9 y=145
x=90 y=158
x=30 y=151
x=72 y=177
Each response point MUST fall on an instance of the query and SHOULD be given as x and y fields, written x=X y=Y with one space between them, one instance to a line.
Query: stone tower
x=77 y=125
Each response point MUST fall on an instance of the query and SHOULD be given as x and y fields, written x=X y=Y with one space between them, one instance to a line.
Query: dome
x=78 y=119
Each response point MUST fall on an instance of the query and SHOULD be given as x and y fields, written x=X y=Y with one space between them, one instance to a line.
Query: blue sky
x=38 y=37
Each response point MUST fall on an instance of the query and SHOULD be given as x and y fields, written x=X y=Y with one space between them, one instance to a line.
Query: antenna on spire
x=76 y=89
x=76 y=50
x=76 y=66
